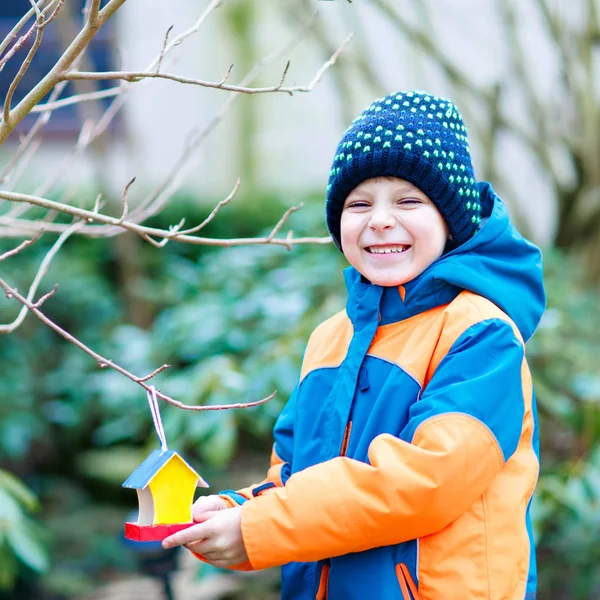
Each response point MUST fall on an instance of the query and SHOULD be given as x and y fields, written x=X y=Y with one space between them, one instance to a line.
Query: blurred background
x=233 y=322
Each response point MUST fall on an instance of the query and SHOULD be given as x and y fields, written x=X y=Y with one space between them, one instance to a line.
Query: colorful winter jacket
x=405 y=461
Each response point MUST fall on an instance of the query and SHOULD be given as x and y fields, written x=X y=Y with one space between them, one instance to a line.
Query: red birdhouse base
x=152 y=533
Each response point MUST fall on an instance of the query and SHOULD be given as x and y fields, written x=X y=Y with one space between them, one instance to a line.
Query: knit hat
x=417 y=137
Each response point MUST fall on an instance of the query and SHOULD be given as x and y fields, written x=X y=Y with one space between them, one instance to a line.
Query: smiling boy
x=405 y=461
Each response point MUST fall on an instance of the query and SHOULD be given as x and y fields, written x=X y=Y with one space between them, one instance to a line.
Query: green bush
x=22 y=541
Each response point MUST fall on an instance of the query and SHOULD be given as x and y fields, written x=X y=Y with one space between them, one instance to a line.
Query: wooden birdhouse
x=165 y=486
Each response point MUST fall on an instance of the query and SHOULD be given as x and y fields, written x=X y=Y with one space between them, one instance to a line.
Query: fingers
x=205 y=516
x=207 y=503
x=195 y=533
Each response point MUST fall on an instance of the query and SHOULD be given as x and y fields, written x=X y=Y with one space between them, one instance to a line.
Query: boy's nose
x=381 y=218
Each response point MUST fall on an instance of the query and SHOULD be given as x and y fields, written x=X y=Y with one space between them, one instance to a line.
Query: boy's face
x=391 y=231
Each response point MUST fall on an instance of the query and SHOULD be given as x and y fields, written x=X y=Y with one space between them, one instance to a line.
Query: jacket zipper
x=346 y=439
x=407 y=585
x=323 y=580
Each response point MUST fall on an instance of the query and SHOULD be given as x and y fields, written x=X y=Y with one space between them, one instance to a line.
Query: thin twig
x=21 y=41
x=184 y=35
x=40 y=122
x=283 y=219
x=77 y=98
x=154 y=373
x=43 y=269
x=228 y=74
x=22 y=70
x=20 y=24
x=214 y=212
x=104 y=362
x=330 y=62
x=125 y=204
x=96 y=209
x=36 y=8
x=20 y=247
x=45 y=297
x=164 y=48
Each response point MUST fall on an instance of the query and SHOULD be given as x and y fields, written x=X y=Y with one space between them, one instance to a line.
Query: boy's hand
x=207 y=504
x=218 y=538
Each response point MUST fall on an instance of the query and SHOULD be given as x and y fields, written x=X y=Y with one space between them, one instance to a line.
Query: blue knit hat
x=417 y=137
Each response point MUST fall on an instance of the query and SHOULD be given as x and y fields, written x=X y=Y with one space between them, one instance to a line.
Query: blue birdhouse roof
x=142 y=476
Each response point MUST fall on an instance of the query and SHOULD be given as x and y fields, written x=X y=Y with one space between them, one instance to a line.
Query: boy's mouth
x=391 y=249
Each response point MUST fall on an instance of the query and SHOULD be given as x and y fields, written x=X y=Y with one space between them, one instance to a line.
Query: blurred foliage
x=21 y=538
x=233 y=324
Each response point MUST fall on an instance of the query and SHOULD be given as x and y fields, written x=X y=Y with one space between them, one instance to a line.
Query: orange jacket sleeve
x=343 y=505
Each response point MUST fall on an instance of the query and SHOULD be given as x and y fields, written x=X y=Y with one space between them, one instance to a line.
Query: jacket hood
x=496 y=263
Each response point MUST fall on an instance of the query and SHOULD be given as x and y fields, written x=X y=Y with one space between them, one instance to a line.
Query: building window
x=98 y=57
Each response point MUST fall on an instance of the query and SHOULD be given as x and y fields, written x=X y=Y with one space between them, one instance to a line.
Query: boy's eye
x=409 y=201
x=356 y=203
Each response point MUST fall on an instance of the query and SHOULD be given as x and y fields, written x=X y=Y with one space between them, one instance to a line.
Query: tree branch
x=22 y=70
x=104 y=362
x=44 y=266
x=135 y=76
x=173 y=234
x=77 y=98
x=19 y=248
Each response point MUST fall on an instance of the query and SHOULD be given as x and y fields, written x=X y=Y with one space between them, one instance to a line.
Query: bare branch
x=77 y=98
x=21 y=41
x=44 y=266
x=125 y=205
x=227 y=75
x=154 y=373
x=20 y=24
x=36 y=8
x=135 y=76
x=283 y=219
x=104 y=362
x=172 y=234
x=165 y=241
x=184 y=35
x=164 y=48
x=40 y=122
x=93 y=13
x=329 y=63
x=20 y=247
x=22 y=70
x=97 y=205
x=215 y=210
x=45 y=297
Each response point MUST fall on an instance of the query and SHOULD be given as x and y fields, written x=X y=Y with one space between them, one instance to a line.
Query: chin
x=388 y=280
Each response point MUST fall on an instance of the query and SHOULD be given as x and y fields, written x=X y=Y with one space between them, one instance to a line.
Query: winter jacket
x=405 y=461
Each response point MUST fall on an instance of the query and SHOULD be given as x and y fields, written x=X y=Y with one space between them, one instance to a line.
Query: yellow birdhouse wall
x=173 y=489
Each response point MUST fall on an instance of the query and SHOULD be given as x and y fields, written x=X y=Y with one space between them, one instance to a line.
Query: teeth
x=388 y=249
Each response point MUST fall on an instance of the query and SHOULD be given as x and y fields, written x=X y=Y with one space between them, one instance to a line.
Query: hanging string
x=153 y=402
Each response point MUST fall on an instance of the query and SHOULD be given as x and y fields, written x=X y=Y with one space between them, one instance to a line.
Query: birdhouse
x=165 y=486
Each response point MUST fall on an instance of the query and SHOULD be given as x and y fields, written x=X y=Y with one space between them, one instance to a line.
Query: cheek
x=349 y=230
x=430 y=233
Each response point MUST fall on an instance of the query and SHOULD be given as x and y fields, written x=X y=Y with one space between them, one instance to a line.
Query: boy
x=405 y=461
